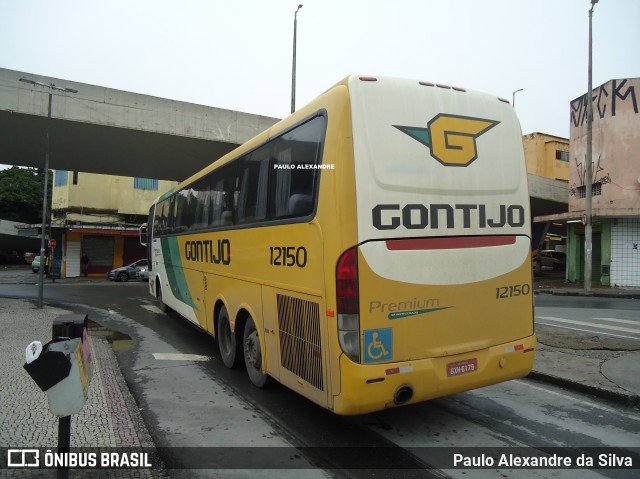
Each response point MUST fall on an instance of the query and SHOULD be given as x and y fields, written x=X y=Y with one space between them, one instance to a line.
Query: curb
x=626 y=398
x=596 y=294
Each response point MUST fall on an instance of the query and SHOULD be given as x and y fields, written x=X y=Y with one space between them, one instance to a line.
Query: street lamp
x=513 y=100
x=51 y=88
x=588 y=174
x=293 y=69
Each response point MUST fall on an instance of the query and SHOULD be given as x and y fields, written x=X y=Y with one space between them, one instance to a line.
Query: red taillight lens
x=348 y=304
x=347 y=283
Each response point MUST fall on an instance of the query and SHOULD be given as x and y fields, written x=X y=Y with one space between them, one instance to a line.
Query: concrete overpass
x=102 y=130
x=547 y=196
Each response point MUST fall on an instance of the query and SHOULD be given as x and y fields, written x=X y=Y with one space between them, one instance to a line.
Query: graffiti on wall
x=605 y=101
x=597 y=175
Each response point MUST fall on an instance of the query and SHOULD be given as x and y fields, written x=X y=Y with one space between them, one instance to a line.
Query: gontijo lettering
x=419 y=216
x=206 y=252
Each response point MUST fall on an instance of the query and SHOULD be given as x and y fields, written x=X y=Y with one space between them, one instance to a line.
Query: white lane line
x=574 y=400
x=180 y=357
x=616 y=320
x=589 y=331
x=152 y=308
x=584 y=323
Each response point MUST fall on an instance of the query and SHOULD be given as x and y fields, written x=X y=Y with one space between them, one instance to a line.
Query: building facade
x=615 y=185
x=547 y=155
x=100 y=216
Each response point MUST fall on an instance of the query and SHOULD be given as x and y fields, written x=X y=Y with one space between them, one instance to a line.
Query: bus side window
x=160 y=219
x=201 y=204
x=300 y=205
x=282 y=183
x=182 y=220
x=252 y=203
x=294 y=174
x=222 y=184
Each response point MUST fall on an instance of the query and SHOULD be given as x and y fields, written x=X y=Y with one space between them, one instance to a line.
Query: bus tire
x=226 y=340
x=161 y=304
x=253 y=354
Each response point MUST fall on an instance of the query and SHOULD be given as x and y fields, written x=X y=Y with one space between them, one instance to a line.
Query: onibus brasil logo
x=451 y=138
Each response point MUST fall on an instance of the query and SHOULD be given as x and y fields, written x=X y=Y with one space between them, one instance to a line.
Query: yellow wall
x=118 y=251
x=102 y=198
x=540 y=155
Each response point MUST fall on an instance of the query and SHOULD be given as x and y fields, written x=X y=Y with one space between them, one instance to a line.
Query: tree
x=21 y=194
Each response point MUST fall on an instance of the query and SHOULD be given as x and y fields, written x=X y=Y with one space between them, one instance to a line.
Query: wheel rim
x=225 y=336
x=252 y=350
x=226 y=339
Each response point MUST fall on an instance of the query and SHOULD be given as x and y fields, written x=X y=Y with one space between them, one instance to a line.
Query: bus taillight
x=348 y=300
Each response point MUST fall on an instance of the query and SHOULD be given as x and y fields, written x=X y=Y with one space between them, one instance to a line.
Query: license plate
x=462 y=367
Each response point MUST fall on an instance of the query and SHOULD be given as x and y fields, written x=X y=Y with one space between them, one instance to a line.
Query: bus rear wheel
x=226 y=340
x=253 y=354
x=161 y=304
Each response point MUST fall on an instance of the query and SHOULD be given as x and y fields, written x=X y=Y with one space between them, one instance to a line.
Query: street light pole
x=588 y=173
x=513 y=100
x=45 y=188
x=293 y=69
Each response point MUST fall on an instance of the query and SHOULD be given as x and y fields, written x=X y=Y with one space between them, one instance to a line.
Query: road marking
x=584 y=323
x=152 y=308
x=574 y=400
x=590 y=331
x=180 y=357
x=616 y=320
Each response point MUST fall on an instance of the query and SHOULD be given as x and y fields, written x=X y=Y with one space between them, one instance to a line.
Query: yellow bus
x=369 y=251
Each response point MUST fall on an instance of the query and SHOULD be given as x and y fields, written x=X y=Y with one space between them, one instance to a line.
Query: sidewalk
x=554 y=283
x=109 y=419
x=22 y=274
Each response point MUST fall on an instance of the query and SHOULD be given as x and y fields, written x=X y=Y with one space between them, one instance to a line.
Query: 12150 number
x=288 y=256
x=504 y=292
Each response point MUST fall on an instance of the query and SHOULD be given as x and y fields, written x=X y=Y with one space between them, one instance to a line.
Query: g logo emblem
x=451 y=138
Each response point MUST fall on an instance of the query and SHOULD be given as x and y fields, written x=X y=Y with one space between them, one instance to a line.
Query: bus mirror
x=144 y=237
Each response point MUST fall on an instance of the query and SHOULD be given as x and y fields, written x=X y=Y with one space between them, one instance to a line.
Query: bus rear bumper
x=372 y=387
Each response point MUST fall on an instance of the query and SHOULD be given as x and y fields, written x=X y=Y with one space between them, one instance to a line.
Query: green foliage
x=21 y=195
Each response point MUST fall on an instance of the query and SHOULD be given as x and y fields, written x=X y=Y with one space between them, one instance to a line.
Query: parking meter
x=63 y=366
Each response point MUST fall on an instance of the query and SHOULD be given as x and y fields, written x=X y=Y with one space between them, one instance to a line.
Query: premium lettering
x=437 y=216
x=415 y=303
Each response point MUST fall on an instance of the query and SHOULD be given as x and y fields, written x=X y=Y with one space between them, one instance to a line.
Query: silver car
x=142 y=272
x=125 y=273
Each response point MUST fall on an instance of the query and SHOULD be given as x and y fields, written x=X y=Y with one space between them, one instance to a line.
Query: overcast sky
x=236 y=54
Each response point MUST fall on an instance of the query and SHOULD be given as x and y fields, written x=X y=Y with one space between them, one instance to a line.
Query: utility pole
x=293 y=68
x=513 y=97
x=43 y=232
x=588 y=174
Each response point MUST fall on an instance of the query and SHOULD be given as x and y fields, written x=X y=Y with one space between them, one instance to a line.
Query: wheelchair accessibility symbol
x=378 y=345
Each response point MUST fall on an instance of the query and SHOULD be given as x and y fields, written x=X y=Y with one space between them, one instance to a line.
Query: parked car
x=125 y=273
x=35 y=264
x=142 y=272
x=551 y=259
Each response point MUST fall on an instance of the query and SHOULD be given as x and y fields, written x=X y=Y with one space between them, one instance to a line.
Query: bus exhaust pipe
x=403 y=394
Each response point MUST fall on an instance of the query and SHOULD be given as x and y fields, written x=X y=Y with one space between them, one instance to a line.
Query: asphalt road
x=602 y=316
x=188 y=398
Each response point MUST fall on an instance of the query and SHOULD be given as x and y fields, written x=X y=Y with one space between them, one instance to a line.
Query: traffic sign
x=52 y=243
